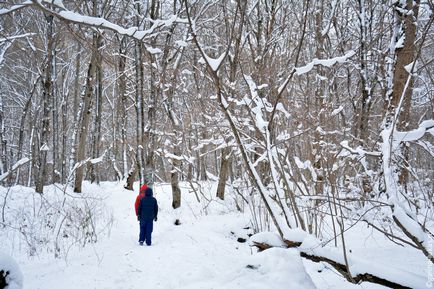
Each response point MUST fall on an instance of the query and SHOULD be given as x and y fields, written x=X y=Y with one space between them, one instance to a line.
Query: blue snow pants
x=146 y=228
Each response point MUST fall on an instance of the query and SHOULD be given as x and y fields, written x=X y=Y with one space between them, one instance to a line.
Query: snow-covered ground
x=200 y=253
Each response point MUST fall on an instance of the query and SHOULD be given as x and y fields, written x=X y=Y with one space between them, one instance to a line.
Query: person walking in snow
x=147 y=214
x=139 y=197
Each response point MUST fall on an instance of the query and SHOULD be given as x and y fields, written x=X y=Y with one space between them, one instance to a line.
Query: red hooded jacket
x=139 y=197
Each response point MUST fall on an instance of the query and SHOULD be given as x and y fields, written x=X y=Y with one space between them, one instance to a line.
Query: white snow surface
x=202 y=252
x=14 y=279
x=269 y=238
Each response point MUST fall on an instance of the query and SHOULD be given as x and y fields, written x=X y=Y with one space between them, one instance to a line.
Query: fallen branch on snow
x=361 y=270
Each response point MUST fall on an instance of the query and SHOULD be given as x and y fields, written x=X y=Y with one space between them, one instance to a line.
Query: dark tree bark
x=224 y=169
x=149 y=130
x=87 y=100
x=139 y=103
x=225 y=159
x=96 y=135
x=46 y=107
x=402 y=82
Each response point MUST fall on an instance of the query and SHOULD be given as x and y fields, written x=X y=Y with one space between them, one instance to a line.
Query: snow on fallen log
x=413 y=230
x=361 y=269
x=281 y=267
x=266 y=240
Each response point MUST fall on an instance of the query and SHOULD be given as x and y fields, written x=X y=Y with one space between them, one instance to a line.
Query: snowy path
x=201 y=253
x=180 y=255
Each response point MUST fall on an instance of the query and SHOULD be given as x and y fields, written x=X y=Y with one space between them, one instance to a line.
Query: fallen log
x=261 y=246
x=361 y=270
x=417 y=233
x=366 y=277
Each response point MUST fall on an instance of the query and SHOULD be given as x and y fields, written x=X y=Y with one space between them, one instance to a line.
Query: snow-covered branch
x=426 y=126
x=13 y=37
x=18 y=164
x=98 y=22
x=4 y=11
x=359 y=150
x=324 y=62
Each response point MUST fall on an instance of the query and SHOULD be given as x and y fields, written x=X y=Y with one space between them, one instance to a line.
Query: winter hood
x=148 y=192
x=143 y=189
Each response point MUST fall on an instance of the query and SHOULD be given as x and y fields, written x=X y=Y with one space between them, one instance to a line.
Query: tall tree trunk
x=85 y=116
x=203 y=160
x=55 y=116
x=33 y=144
x=3 y=152
x=224 y=169
x=403 y=89
x=320 y=106
x=139 y=105
x=149 y=160
x=122 y=86
x=63 y=156
x=366 y=90
x=26 y=109
x=176 y=123
x=225 y=153
x=3 y=142
x=96 y=135
x=174 y=177
x=46 y=97
x=149 y=135
x=76 y=111
x=139 y=110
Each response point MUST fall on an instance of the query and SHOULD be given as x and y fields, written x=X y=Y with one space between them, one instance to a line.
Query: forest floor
x=201 y=253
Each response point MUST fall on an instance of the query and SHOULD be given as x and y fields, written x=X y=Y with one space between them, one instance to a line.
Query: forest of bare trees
x=322 y=109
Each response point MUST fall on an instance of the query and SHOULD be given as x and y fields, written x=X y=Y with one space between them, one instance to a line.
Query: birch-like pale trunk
x=77 y=110
x=3 y=160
